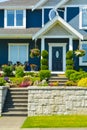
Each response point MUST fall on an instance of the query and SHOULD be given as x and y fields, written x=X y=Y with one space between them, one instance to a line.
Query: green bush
x=44 y=67
x=69 y=72
x=69 y=67
x=44 y=54
x=69 y=55
x=78 y=75
x=44 y=62
x=8 y=70
x=70 y=83
x=19 y=72
x=16 y=81
x=82 y=82
x=44 y=74
x=69 y=62
x=2 y=82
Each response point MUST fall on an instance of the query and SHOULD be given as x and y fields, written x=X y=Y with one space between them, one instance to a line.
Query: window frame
x=81 y=63
x=18 y=44
x=80 y=18
x=15 y=26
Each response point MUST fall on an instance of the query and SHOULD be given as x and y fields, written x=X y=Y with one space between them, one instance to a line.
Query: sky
x=3 y=0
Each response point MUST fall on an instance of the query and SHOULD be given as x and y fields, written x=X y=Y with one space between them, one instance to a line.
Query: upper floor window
x=15 y=18
x=83 y=18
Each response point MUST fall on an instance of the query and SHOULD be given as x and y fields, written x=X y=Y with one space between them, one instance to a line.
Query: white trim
x=80 y=58
x=42 y=44
x=60 y=3
x=64 y=55
x=70 y=44
x=80 y=17
x=15 y=27
x=50 y=24
x=38 y=4
x=50 y=13
x=53 y=36
x=42 y=17
x=18 y=44
x=65 y=14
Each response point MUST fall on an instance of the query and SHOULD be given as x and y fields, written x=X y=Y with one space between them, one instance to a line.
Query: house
x=53 y=25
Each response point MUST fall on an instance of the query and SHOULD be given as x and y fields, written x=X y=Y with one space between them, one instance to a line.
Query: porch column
x=70 y=44
x=42 y=45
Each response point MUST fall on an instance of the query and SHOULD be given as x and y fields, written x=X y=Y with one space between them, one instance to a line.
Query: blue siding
x=52 y=40
x=4 y=50
x=1 y=18
x=34 y=18
x=46 y=15
x=72 y=12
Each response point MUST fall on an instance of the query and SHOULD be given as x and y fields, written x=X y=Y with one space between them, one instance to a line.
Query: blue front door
x=57 y=58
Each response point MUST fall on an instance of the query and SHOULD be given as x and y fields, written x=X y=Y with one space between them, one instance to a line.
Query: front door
x=57 y=58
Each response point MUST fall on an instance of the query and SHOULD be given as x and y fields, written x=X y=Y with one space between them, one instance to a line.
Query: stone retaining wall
x=3 y=92
x=57 y=100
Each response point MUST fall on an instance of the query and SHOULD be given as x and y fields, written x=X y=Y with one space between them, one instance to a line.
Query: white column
x=42 y=17
x=42 y=44
x=70 y=44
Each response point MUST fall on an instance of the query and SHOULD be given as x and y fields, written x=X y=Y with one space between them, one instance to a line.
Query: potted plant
x=34 y=53
x=80 y=53
x=33 y=66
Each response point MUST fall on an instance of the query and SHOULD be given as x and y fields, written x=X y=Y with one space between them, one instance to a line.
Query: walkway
x=14 y=123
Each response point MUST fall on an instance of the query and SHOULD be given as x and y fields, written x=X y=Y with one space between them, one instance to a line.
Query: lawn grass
x=55 y=121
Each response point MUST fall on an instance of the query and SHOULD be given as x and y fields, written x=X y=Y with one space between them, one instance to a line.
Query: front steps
x=16 y=103
x=61 y=79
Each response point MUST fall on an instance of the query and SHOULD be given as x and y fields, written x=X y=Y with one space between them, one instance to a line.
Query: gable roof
x=51 y=23
x=39 y=4
x=18 y=3
x=59 y=3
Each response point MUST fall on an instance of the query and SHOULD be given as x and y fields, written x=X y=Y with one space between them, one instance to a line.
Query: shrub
x=8 y=70
x=69 y=55
x=44 y=74
x=69 y=72
x=2 y=82
x=16 y=81
x=69 y=67
x=44 y=61
x=44 y=67
x=82 y=82
x=19 y=72
x=44 y=54
x=70 y=83
x=78 y=75
x=69 y=60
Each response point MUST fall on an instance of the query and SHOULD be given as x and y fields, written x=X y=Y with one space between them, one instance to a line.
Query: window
x=52 y=14
x=18 y=52
x=15 y=18
x=83 y=18
x=83 y=60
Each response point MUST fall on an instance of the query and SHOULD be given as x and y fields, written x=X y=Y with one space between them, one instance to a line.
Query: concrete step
x=14 y=113
x=22 y=109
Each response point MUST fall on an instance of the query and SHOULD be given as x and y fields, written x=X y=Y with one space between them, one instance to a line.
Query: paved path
x=15 y=123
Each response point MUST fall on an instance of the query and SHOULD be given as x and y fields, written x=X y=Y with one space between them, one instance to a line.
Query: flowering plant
x=34 y=53
x=33 y=66
x=80 y=53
